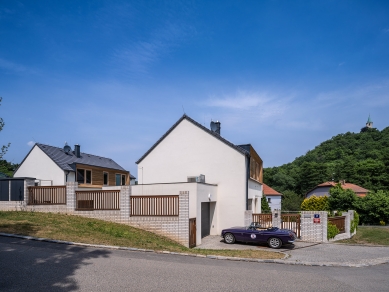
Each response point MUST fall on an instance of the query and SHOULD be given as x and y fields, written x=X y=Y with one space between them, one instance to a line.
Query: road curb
x=213 y=257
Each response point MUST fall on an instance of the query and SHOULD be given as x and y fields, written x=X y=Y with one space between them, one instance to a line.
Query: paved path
x=28 y=265
x=329 y=254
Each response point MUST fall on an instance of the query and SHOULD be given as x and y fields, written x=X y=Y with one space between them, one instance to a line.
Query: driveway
x=329 y=254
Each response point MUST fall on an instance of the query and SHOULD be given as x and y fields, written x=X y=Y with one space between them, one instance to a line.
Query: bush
x=355 y=222
x=332 y=230
x=315 y=204
x=382 y=223
x=374 y=207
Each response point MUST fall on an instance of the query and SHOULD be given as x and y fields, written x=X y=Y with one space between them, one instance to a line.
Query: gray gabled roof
x=68 y=161
x=185 y=117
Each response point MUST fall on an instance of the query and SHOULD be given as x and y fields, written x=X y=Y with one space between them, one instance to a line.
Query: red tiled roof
x=268 y=191
x=357 y=189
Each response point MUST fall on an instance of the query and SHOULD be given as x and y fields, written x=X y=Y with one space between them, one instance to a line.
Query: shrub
x=341 y=199
x=315 y=204
x=332 y=230
x=355 y=222
x=382 y=223
x=374 y=207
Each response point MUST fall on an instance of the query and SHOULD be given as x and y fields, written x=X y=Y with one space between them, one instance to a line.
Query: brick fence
x=173 y=227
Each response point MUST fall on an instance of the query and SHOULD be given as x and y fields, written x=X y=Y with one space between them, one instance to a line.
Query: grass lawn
x=87 y=230
x=369 y=235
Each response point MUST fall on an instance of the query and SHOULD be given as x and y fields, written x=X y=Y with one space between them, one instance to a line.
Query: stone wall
x=313 y=232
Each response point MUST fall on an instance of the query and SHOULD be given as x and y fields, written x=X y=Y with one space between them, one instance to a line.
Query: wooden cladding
x=154 y=206
x=339 y=222
x=98 y=175
x=50 y=195
x=256 y=166
x=97 y=200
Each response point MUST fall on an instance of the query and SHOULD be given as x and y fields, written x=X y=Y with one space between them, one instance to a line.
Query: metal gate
x=205 y=219
x=291 y=221
x=192 y=232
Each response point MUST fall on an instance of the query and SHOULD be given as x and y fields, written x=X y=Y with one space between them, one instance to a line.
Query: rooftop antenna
x=183 y=109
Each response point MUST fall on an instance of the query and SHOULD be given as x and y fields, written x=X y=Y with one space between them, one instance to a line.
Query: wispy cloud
x=13 y=67
x=386 y=30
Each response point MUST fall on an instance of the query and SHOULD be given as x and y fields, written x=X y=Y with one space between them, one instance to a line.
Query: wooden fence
x=338 y=221
x=264 y=219
x=49 y=195
x=154 y=206
x=292 y=222
x=97 y=200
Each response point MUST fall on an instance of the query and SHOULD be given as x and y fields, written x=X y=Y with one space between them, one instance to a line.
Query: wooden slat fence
x=291 y=221
x=154 y=206
x=264 y=219
x=338 y=221
x=47 y=195
x=97 y=200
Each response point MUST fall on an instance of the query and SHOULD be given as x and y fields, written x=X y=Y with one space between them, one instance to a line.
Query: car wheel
x=229 y=238
x=274 y=242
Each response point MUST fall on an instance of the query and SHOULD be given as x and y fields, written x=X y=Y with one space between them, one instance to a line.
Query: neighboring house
x=56 y=166
x=324 y=189
x=230 y=182
x=273 y=197
x=132 y=180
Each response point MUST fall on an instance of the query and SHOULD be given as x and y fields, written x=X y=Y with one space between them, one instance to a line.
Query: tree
x=291 y=201
x=341 y=199
x=4 y=148
x=374 y=207
x=265 y=208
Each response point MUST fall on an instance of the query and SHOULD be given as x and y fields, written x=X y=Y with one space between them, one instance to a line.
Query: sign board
x=316 y=216
x=316 y=220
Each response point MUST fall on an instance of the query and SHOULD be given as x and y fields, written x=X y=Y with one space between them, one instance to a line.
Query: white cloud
x=30 y=143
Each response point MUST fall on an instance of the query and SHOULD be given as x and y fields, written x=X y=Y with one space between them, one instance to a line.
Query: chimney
x=77 y=151
x=342 y=182
x=215 y=127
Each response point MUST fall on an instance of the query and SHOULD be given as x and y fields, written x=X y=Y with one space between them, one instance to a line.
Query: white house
x=224 y=180
x=55 y=166
x=273 y=197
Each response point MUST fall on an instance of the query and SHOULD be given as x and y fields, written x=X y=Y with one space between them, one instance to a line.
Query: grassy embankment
x=87 y=230
x=370 y=235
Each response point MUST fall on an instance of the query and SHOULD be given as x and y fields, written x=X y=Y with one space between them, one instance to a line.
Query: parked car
x=273 y=236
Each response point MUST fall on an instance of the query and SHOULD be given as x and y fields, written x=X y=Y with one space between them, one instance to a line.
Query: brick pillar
x=314 y=232
x=125 y=193
x=71 y=188
x=347 y=222
x=183 y=218
x=276 y=218
x=248 y=217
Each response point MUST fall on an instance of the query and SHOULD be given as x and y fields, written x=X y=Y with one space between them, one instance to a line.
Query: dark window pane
x=88 y=176
x=123 y=179
x=80 y=176
x=105 y=178
x=118 y=179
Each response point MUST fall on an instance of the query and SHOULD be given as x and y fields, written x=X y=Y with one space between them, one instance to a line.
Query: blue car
x=273 y=236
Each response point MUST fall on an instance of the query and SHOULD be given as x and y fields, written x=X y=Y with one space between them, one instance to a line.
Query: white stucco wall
x=40 y=166
x=198 y=193
x=190 y=151
x=255 y=193
x=275 y=203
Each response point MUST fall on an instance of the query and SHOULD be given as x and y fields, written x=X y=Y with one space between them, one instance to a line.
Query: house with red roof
x=272 y=196
x=324 y=189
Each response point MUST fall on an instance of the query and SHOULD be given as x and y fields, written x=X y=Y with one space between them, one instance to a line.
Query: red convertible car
x=273 y=236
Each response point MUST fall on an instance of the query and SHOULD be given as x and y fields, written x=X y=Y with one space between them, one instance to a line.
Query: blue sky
x=113 y=76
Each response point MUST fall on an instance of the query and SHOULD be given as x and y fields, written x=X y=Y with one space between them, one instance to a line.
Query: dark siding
x=17 y=190
x=4 y=190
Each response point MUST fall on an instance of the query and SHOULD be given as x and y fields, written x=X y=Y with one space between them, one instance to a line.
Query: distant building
x=324 y=189
x=369 y=125
x=273 y=197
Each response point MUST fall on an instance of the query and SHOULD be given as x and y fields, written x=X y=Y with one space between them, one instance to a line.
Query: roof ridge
x=183 y=117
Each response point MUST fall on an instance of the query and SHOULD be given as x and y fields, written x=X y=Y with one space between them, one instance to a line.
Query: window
x=269 y=200
x=105 y=174
x=250 y=204
x=120 y=179
x=84 y=176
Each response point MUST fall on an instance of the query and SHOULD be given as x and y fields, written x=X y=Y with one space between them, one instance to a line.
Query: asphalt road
x=27 y=265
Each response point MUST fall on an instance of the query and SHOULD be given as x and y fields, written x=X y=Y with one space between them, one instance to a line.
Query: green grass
x=87 y=230
x=369 y=235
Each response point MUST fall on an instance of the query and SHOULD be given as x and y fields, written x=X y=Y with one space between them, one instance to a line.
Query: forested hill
x=359 y=158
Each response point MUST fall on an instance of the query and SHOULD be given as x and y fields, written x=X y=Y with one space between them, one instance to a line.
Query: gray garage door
x=205 y=219
x=17 y=190
x=4 y=190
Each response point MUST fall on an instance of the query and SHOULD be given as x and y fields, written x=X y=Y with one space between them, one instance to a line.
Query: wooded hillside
x=359 y=158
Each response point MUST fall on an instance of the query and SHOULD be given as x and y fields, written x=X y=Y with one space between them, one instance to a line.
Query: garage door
x=4 y=190
x=205 y=219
